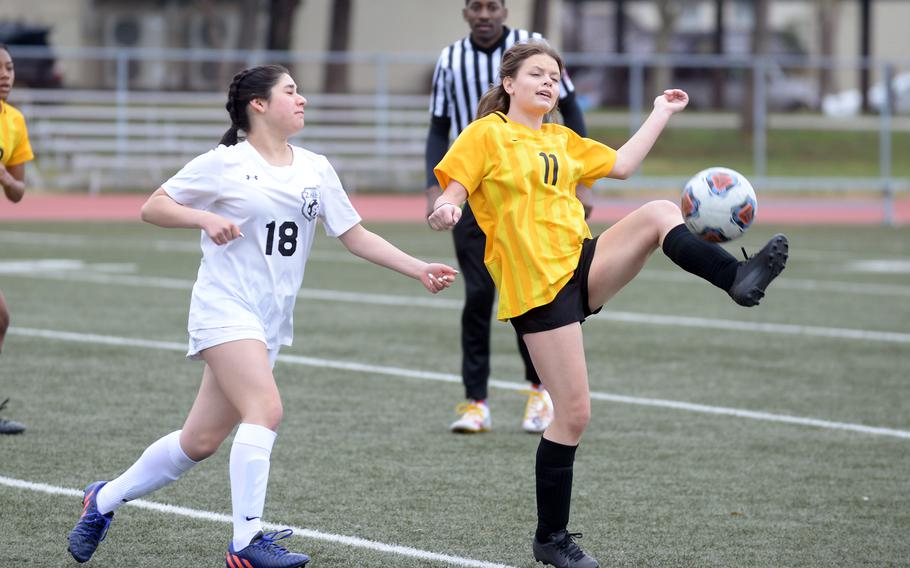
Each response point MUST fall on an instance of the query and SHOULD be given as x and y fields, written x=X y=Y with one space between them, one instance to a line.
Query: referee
x=465 y=70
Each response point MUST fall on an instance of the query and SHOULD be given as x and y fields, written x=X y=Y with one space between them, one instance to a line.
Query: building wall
x=63 y=18
x=418 y=28
x=421 y=28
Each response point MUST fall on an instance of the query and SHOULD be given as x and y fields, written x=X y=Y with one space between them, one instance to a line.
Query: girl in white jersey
x=257 y=203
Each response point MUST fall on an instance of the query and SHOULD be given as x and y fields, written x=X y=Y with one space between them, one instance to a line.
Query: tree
x=573 y=13
x=759 y=50
x=336 y=73
x=620 y=75
x=281 y=24
x=540 y=12
x=827 y=17
x=719 y=90
x=865 y=50
x=669 y=11
x=249 y=15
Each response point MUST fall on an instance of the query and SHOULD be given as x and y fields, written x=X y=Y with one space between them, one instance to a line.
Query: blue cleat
x=92 y=526
x=262 y=552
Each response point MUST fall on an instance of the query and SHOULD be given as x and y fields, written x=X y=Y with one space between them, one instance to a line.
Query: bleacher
x=110 y=140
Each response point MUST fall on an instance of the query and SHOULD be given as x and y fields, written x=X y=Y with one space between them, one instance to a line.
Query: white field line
x=399 y=372
x=65 y=240
x=50 y=269
x=192 y=247
x=800 y=284
x=450 y=304
x=298 y=531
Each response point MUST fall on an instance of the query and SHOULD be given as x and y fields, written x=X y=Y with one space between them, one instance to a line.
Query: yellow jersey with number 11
x=521 y=188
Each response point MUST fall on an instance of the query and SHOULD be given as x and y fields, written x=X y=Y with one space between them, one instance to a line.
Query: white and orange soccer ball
x=718 y=204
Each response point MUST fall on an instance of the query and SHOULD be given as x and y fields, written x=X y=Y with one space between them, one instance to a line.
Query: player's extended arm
x=447 y=208
x=162 y=210
x=633 y=152
x=12 y=178
x=372 y=247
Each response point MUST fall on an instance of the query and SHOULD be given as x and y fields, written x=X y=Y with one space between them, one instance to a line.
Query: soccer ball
x=718 y=204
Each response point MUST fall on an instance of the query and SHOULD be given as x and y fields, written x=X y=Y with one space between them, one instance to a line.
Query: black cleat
x=755 y=273
x=561 y=551
x=10 y=426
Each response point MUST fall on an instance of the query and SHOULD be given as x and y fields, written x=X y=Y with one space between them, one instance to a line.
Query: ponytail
x=496 y=99
x=230 y=137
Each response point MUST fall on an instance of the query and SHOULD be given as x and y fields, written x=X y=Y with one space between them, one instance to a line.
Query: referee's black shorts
x=569 y=306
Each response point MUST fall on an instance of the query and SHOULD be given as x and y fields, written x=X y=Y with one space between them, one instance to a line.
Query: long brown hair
x=497 y=99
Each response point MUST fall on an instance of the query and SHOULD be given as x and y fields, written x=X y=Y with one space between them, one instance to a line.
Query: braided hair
x=249 y=84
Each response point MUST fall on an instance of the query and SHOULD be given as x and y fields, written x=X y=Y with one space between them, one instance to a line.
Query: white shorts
x=201 y=339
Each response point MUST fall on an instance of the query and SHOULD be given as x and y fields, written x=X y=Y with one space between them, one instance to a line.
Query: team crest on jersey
x=311 y=202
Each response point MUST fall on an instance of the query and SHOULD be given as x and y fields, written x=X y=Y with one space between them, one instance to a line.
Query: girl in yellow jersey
x=519 y=176
x=15 y=150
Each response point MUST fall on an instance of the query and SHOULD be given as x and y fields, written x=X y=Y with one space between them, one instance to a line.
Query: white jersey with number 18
x=254 y=280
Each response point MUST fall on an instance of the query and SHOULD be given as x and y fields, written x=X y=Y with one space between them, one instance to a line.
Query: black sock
x=700 y=257
x=554 y=487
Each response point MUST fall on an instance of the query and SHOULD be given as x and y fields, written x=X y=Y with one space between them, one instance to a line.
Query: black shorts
x=569 y=306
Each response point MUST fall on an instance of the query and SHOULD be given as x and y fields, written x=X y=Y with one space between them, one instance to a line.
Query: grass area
x=367 y=453
x=798 y=153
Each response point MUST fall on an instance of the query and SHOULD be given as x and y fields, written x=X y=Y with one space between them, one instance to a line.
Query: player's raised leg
x=623 y=249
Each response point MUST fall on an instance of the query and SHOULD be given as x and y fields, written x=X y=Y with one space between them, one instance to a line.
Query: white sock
x=249 y=479
x=160 y=464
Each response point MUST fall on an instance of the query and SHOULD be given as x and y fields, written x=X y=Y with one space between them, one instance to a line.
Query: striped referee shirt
x=465 y=71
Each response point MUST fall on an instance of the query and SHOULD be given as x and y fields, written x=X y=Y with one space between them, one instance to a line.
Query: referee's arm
x=574 y=119
x=572 y=115
x=437 y=145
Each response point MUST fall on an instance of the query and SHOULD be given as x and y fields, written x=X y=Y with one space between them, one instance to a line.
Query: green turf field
x=721 y=436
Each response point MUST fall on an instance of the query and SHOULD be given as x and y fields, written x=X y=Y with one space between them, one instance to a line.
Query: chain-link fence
x=126 y=119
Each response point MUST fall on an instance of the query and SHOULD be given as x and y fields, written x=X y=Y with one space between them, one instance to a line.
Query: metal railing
x=103 y=132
